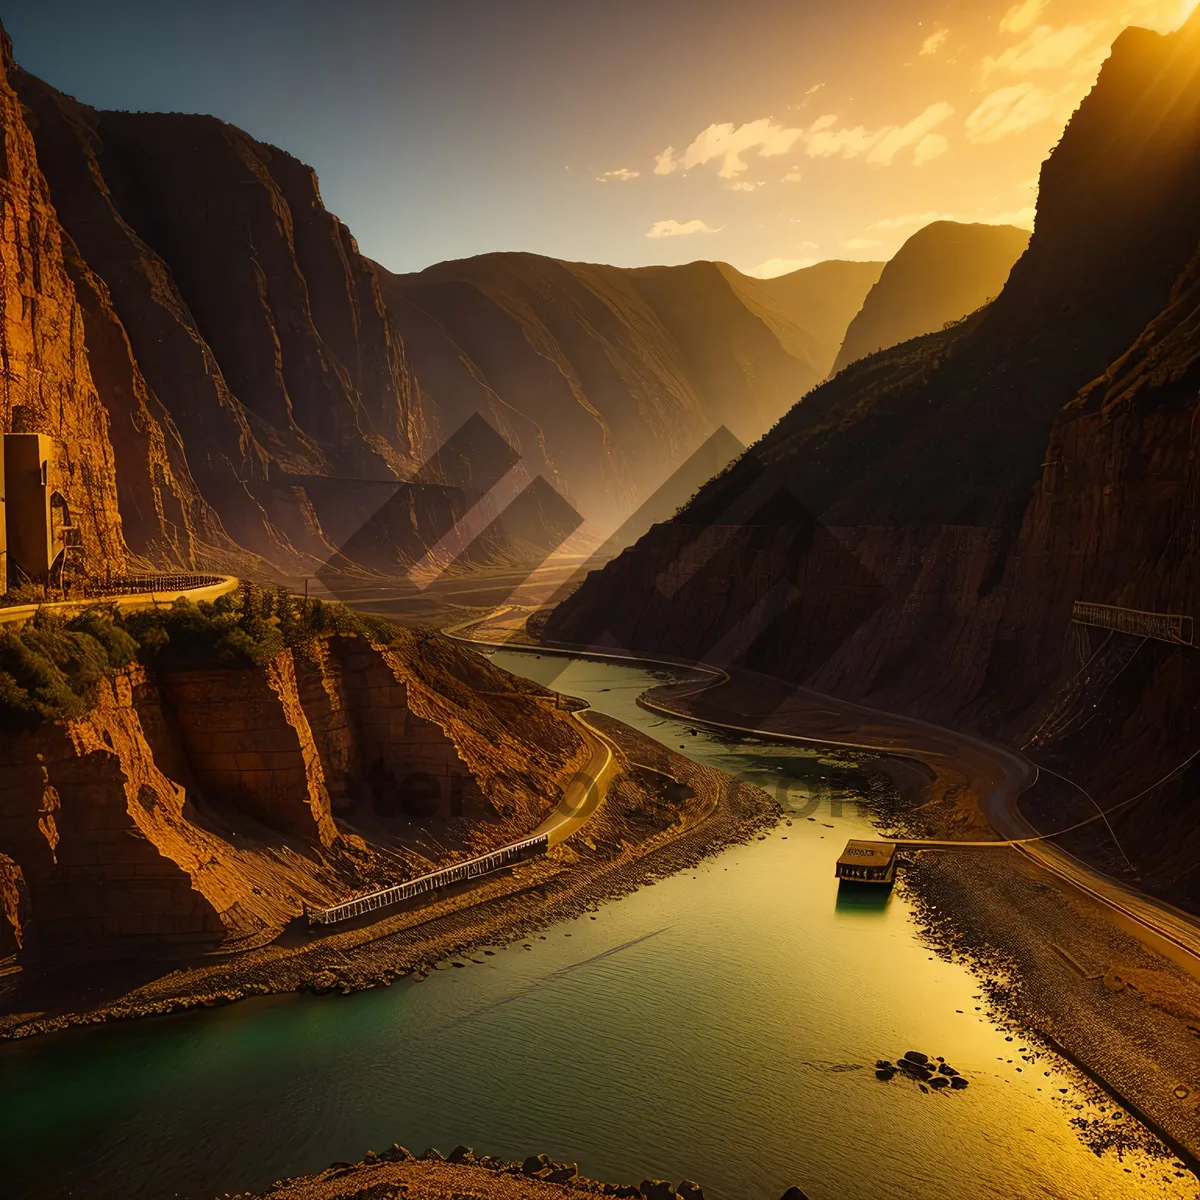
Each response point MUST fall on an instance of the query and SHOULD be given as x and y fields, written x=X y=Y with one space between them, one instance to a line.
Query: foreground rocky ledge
x=462 y=1175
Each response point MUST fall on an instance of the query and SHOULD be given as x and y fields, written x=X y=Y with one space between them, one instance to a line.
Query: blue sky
x=797 y=131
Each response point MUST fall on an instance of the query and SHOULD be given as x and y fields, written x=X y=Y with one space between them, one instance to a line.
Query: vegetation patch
x=51 y=666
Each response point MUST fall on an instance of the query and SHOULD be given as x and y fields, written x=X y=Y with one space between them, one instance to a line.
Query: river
x=721 y=1025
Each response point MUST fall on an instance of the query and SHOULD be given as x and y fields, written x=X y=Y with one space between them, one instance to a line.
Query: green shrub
x=51 y=668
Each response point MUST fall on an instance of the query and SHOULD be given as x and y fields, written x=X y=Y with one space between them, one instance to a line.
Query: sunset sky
x=767 y=134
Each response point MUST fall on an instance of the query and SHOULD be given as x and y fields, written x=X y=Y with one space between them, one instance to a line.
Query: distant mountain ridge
x=945 y=271
x=606 y=378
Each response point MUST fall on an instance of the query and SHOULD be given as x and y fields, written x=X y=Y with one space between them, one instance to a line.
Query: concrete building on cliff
x=37 y=537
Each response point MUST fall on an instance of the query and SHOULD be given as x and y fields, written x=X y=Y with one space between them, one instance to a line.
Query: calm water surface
x=720 y=1025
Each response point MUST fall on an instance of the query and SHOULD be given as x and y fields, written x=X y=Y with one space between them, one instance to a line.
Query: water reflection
x=861 y=899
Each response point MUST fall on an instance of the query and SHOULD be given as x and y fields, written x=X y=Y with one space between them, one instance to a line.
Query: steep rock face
x=1114 y=521
x=911 y=471
x=81 y=815
x=47 y=384
x=210 y=805
x=607 y=379
x=943 y=272
x=164 y=518
x=257 y=333
x=247 y=740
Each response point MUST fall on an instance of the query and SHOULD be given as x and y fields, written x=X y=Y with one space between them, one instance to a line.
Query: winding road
x=586 y=792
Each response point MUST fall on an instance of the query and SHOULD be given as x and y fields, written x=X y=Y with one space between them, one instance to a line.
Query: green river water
x=721 y=1025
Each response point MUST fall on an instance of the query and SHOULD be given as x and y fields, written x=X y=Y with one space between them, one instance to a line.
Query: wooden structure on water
x=867 y=862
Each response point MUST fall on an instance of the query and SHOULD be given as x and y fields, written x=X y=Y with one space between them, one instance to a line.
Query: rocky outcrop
x=47 y=382
x=914 y=534
x=1113 y=521
x=247 y=740
x=433 y=1176
x=210 y=805
x=941 y=274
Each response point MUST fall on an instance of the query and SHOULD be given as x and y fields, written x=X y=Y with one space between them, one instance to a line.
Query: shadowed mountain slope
x=605 y=378
x=810 y=309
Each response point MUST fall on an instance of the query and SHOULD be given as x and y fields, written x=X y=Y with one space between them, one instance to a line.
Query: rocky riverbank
x=461 y=1175
x=665 y=813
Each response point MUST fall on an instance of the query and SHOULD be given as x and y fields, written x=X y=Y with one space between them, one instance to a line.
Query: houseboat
x=867 y=862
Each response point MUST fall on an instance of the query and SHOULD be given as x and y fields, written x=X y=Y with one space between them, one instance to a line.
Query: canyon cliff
x=944 y=272
x=198 y=806
x=913 y=534
x=48 y=384
x=234 y=323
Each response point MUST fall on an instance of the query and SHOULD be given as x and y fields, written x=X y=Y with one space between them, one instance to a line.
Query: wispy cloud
x=675 y=228
x=727 y=143
x=1010 y=110
x=880 y=146
x=1045 y=48
x=747 y=185
x=860 y=243
x=898 y=137
x=620 y=175
x=932 y=145
x=774 y=267
x=1022 y=16
x=793 y=176
x=934 y=42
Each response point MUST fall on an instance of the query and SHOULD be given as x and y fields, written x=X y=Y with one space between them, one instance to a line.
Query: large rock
x=657 y=1189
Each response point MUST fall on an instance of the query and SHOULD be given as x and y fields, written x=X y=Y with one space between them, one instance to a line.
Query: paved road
x=585 y=793
x=1003 y=774
x=587 y=790
x=23 y=612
